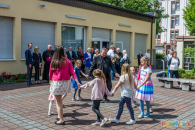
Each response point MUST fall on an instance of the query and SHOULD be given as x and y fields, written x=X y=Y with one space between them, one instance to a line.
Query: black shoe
x=107 y=100
x=57 y=119
x=28 y=85
x=38 y=83
x=62 y=123
x=31 y=84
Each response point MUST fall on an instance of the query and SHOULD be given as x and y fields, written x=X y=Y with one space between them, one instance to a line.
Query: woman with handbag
x=37 y=63
x=89 y=59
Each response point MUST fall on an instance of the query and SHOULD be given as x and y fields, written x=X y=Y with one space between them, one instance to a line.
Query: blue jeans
x=168 y=71
x=112 y=73
x=126 y=100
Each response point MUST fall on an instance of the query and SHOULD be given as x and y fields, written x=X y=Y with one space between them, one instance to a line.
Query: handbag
x=40 y=75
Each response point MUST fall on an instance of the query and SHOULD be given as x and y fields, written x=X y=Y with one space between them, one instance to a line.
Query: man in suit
x=103 y=62
x=71 y=55
x=29 y=63
x=117 y=63
x=139 y=56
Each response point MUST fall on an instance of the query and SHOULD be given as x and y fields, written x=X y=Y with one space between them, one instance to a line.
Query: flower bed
x=8 y=78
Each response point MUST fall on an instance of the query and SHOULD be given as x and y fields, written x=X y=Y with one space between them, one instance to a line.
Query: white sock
x=132 y=100
x=50 y=105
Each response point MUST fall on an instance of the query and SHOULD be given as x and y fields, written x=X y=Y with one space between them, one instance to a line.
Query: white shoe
x=96 y=123
x=103 y=122
x=114 y=120
x=131 y=122
x=51 y=113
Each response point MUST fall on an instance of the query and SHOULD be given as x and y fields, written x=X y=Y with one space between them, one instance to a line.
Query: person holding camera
x=71 y=55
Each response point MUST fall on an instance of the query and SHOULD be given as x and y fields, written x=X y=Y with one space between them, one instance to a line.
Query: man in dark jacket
x=71 y=55
x=139 y=56
x=103 y=62
x=29 y=63
x=117 y=63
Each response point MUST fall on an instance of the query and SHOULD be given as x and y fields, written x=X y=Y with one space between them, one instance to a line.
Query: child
x=98 y=90
x=127 y=91
x=51 y=98
x=132 y=70
x=77 y=71
x=145 y=87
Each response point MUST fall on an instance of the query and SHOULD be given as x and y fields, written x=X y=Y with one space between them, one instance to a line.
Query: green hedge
x=186 y=74
x=160 y=56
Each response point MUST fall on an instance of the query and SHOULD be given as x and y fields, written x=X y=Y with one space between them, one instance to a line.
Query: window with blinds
x=6 y=38
x=98 y=33
x=125 y=38
x=38 y=33
x=140 y=44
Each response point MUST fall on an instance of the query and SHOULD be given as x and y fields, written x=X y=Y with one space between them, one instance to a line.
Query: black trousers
x=29 y=74
x=118 y=68
x=96 y=109
x=37 y=73
x=172 y=72
x=109 y=84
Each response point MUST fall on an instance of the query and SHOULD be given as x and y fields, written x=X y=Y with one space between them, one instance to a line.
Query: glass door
x=117 y=45
x=96 y=44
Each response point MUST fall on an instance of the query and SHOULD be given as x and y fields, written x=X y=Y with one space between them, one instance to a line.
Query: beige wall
x=29 y=9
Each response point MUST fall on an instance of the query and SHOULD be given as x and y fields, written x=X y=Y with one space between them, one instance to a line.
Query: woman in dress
x=59 y=74
x=37 y=63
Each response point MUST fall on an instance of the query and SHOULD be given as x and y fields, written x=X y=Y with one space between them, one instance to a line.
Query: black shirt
x=105 y=67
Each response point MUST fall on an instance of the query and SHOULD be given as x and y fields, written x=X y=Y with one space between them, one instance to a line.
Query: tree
x=141 y=6
x=189 y=17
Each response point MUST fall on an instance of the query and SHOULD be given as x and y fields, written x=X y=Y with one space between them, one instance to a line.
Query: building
x=174 y=25
x=69 y=22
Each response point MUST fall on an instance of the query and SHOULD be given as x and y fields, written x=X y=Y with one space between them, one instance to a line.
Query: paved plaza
x=23 y=107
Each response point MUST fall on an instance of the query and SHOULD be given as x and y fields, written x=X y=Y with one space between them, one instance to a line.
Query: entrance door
x=117 y=45
x=96 y=44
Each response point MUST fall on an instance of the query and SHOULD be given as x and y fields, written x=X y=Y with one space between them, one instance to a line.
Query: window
x=158 y=36
x=6 y=38
x=173 y=8
x=172 y=35
x=177 y=21
x=72 y=36
x=172 y=22
x=177 y=6
x=176 y=33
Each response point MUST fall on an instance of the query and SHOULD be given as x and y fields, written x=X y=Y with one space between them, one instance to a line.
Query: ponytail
x=99 y=73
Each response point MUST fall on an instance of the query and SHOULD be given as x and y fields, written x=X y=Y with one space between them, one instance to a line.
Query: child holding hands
x=132 y=71
x=145 y=87
x=77 y=71
x=98 y=90
x=127 y=85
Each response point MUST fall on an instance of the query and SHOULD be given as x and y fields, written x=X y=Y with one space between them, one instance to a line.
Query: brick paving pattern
x=23 y=107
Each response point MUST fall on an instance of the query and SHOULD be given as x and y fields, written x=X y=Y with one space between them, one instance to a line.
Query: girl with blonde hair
x=98 y=90
x=37 y=63
x=127 y=85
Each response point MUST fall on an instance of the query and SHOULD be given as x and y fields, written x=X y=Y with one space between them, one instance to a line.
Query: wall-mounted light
x=120 y=24
x=42 y=5
x=76 y=17
x=4 y=6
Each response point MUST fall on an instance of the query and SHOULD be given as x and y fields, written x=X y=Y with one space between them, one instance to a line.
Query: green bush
x=160 y=56
x=181 y=71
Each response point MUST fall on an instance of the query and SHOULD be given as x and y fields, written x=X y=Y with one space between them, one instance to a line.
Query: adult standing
x=29 y=63
x=71 y=55
x=80 y=57
x=60 y=79
x=147 y=54
x=111 y=54
x=92 y=51
x=174 y=66
x=103 y=62
x=47 y=57
x=89 y=59
x=37 y=63
x=139 y=56
x=168 y=58
x=117 y=63
x=96 y=53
